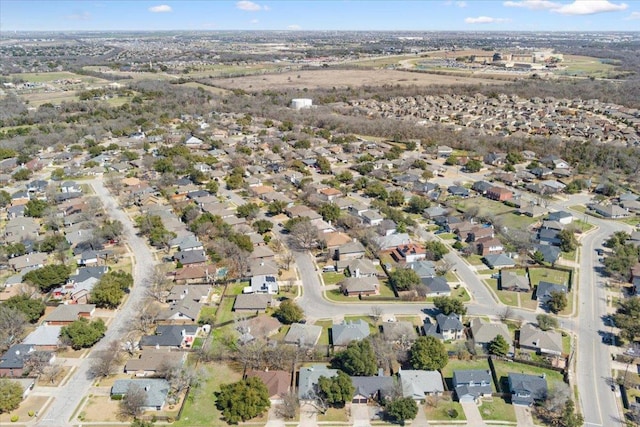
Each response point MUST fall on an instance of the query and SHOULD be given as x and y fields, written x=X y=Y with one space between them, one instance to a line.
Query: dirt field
x=342 y=78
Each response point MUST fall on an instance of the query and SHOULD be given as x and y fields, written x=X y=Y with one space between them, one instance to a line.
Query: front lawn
x=200 y=408
x=497 y=410
x=505 y=297
x=332 y=278
x=334 y=415
x=444 y=410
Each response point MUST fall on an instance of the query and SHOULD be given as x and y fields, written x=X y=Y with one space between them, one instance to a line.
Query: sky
x=294 y=15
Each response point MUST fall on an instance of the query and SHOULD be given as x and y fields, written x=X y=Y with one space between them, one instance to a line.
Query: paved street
x=69 y=396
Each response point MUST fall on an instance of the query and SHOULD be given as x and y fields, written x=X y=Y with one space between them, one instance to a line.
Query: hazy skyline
x=440 y=15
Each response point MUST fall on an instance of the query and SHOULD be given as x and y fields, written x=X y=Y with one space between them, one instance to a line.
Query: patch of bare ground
x=327 y=79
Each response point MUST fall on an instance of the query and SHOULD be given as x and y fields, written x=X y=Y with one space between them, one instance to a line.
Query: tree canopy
x=336 y=390
x=546 y=322
x=404 y=279
x=448 y=305
x=242 y=400
x=35 y=208
x=435 y=250
x=401 y=409
x=498 y=346
x=10 y=395
x=289 y=312
x=428 y=353
x=358 y=359
x=32 y=308
x=82 y=333
x=110 y=290
x=627 y=318
x=557 y=301
x=48 y=277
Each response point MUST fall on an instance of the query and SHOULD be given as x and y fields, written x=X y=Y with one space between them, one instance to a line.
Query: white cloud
x=461 y=4
x=161 y=8
x=533 y=4
x=590 y=7
x=79 y=16
x=249 y=6
x=254 y=21
x=633 y=16
x=485 y=20
x=294 y=27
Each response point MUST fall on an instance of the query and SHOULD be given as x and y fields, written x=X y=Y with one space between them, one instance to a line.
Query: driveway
x=274 y=420
x=523 y=415
x=308 y=416
x=472 y=413
x=360 y=415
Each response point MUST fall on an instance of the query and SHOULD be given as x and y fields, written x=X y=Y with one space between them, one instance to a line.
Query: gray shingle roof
x=156 y=389
x=345 y=332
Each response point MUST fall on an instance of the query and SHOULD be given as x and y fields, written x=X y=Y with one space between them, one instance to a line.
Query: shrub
x=14 y=418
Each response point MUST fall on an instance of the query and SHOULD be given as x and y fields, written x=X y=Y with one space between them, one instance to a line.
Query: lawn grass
x=334 y=415
x=447 y=236
x=566 y=343
x=503 y=368
x=455 y=365
x=569 y=256
x=579 y=208
x=527 y=301
x=487 y=206
x=199 y=409
x=441 y=411
x=459 y=294
x=497 y=409
x=475 y=259
x=512 y=220
x=236 y=288
x=451 y=277
x=548 y=275
x=582 y=225
x=207 y=314
x=324 y=336
x=332 y=278
x=225 y=313
x=337 y=295
x=505 y=297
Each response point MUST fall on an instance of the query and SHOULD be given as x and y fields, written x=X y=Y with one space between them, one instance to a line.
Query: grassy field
x=442 y=411
x=55 y=75
x=586 y=66
x=536 y=275
x=475 y=259
x=332 y=278
x=497 y=409
x=455 y=365
x=200 y=409
x=504 y=368
x=214 y=90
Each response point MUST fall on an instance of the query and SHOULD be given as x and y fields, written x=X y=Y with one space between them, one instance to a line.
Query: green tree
x=498 y=346
x=568 y=241
x=473 y=166
x=358 y=359
x=538 y=257
x=242 y=400
x=110 y=290
x=52 y=243
x=557 y=301
x=401 y=409
x=289 y=312
x=336 y=390
x=404 y=279
x=417 y=204
x=82 y=333
x=546 y=322
x=276 y=207
x=22 y=175
x=376 y=189
x=323 y=165
x=5 y=199
x=262 y=226
x=35 y=208
x=248 y=210
x=32 y=308
x=344 y=176
x=428 y=353
x=396 y=198
x=451 y=161
x=448 y=305
x=48 y=277
x=514 y=158
x=627 y=318
x=330 y=212
x=435 y=250
x=569 y=417
x=212 y=186
x=14 y=249
x=10 y=395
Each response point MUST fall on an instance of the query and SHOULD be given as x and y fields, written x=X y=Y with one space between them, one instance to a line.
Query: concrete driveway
x=523 y=415
x=274 y=420
x=360 y=415
x=472 y=413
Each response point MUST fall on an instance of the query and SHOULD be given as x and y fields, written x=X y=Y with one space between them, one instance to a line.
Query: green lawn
x=475 y=259
x=451 y=277
x=579 y=208
x=459 y=294
x=334 y=415
x=497 y=409
x=455 y=365
x=504 y=368
x=338 y=296
x=207 y=314
x=236 y=288
x=566 y=343
x=324 y=336
x=441 y=411
x=225 y=313
x=505 y=297
x=447 y=236
x=548 y=275
x=513 y=220
x=569 y=256
x=487 y=206
x=583 y=226
x=332 y=278
x=199 y=408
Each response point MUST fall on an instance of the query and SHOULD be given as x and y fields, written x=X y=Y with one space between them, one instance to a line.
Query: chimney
x=380 y=372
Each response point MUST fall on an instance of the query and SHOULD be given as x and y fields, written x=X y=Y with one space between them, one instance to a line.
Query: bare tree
x=134 y=401
x=106 y=361
x=146 y=315
x=289 y=406
x=383 y=351
x=304 y=235
x=376 y=313
x=506 y=314
x=51 y=372
x=114 y=183
x=158 y=285
x=287 y=259
x=12 y=326
x=252 y=355
x=37 y=362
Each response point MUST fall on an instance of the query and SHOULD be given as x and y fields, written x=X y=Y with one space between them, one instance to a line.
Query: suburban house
x=471 y=385
x=346 y=331
x=373 y=388
x=483 y=332
x=263 y=284
x=545 y=289
x=418 y=384
x=550 y=254
x=253 y=302
x=562 y=217
x=303 y=335
x=436 y=286
x=542 y=342
x=610 y=211
x=308 y=379
x=359 y=286
x=278 y=383
x=65 y=314
x=494 y=261
x=510 y=281
x=410 y=252
x=191 y=257
x=151 y=361
x=527 y=389
x=450 y=326
x=358 y=268
x=156 y=390
x=32 y=260
x=171 y=336
x=423 y=268
x=182 y=311
x=349 y=251
x=44 y=337
x=14 y=362
x=499 y=193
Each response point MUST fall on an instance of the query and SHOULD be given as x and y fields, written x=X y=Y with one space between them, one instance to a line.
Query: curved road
x=69 y=396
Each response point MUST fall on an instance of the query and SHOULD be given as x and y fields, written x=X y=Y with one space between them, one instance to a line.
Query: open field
x=56 y=75
x=322 y=79
x=213 y=90
x=39 y=98
x=586 y=66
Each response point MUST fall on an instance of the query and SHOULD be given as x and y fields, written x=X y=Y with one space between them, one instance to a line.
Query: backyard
x=503 y=368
